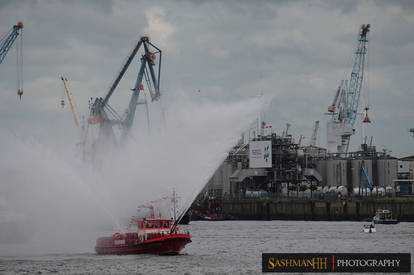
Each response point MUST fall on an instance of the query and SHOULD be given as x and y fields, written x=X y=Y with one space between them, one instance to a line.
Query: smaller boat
x=384 y=216
x=369 y=228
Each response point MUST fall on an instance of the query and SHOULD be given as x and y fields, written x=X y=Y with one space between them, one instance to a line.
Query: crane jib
x=101 y=112
x=5 y=44
x=122 y=71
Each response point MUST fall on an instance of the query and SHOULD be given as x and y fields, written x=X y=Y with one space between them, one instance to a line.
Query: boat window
x=150 y=225
x=158 y=224
x=166 y=224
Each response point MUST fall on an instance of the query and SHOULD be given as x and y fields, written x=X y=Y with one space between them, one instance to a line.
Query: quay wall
x=356 y=210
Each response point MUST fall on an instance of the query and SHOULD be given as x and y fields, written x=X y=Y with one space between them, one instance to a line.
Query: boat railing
x=156 y=235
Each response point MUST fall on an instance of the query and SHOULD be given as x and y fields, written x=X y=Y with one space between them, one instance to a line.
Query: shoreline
x=318 y=210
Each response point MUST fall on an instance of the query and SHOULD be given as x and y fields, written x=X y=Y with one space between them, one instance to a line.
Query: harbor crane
x=6 y=43
x=314 y=134
x=73 y=108
x=368 y=182
x=344 y=108
x=102 y=113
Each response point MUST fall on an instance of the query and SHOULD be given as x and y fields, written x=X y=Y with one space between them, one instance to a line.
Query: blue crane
x=6 y=43
x=344 y=108
x=101 y=111
x=357 y=75
x=367 y=178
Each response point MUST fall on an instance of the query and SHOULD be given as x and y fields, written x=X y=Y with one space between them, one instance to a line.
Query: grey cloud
x=295 y=50
x=407 y=6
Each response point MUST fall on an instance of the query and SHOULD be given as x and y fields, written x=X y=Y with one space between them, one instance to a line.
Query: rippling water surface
x=231 y=247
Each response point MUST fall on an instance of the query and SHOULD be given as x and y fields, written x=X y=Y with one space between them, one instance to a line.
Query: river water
x=226 y=247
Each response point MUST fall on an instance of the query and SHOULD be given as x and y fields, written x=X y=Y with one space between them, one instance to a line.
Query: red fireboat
x=152 y=236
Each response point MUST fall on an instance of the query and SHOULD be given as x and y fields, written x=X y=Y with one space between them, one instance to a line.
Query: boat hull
x=166 y=245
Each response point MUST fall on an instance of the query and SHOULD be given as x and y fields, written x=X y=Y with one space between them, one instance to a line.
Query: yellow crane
x=73 y=108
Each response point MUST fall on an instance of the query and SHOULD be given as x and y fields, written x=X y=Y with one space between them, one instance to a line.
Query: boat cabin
x=383 y=214
x=157 y=224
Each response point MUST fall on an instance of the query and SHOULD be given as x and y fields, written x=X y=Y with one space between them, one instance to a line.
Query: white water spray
x=54 y=204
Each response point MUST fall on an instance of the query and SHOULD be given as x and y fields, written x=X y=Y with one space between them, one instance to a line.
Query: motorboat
x=369 y=228
x=384 y=216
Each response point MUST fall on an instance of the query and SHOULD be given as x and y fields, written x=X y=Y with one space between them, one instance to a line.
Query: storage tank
x=336 y=172
x=355 y=191
x=358 y=178
x=380 y=191
x=364 y=192
x=333 y=189
x=343 y=190
x=321 y=168
x=386 y=172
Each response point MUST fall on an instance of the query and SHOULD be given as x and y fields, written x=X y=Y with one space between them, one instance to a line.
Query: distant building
x=276 y=166
x=405 y=181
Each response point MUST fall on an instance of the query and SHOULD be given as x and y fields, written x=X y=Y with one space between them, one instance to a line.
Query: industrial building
x=271 y=165
x=405 y=181
x=293 y=170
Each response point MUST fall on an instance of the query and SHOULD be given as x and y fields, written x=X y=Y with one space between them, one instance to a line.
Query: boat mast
x=174 y=204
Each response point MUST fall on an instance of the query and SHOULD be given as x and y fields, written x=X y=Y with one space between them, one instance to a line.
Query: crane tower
x=344 y=108
x=314 y=137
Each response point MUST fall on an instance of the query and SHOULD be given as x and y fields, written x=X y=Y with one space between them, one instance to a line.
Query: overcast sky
x=294 y=51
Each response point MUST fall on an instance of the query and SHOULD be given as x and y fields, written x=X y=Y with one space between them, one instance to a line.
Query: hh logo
x=266 y=153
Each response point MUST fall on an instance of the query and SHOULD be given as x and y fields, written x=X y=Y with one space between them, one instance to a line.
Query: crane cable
x=19 y=64
x=367 y=75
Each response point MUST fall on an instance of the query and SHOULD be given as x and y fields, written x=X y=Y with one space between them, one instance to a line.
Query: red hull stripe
x=164 y=245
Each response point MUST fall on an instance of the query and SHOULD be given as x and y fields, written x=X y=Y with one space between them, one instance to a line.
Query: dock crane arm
x=5 y=44
x=315 y=134
x=369 y=182
x=121 y=73
x=335 y=103
x=100 y=103
x=7 y=41
x=98 y=113
x=73 y=107
x=134 y=98
x=155 y=82
x=344 y=108
x=357 y=75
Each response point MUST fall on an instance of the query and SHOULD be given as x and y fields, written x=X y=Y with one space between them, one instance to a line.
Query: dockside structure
x=302 y=171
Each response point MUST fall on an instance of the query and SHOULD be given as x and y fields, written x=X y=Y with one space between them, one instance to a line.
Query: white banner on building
x=260 y=154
